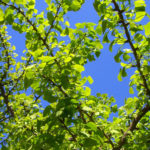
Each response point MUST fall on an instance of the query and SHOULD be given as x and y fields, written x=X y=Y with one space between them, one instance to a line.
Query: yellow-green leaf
x=120 y=76
x=131 y=91
x=87 y=91
x=89 y=78
x=1 y=15
x=78 y=68
x=147 y=29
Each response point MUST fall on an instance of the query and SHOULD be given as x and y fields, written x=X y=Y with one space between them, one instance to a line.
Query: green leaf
x=92 y=126
x=64 y=81
x=91 y=57
x=50 y=17
x=67 y=23
x=139 y=3
x=105 y=38
x=1 y=15
x=146 y=70
x=120 y=75
x=147 y=29
x=6 y=1
x=89 y=78
x=126 y=57
x=98 y=29
x=59 y=112
x=39 y=124
x=80 y=25
x=104 y=25
x=114 y=108
x=36 y=53
x=75 y=5
x=10 y=19
x=124 y=74
x=98 y=44
x=117 y=57
x=140 y=10
x=87 y=91
x=97 y=53
x=49 y=97
x=87 y=108
x=89 y=142
x=47 y=59
x=46 y=110
x=139 y=16
x=131 y=91
x=138 y=37
x=78 y=68
x=96 y=5
x=27 y=82
x=68 y=59
x=111 y=45
x=35 y=84
x=20 y=2
x=29 y=74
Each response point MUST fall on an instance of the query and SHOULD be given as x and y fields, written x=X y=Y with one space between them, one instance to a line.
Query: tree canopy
x=51 y=69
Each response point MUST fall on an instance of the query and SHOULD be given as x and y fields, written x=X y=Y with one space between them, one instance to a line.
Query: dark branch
x=35 y=29
x=137 y=119
x=69 y=131
x=132 y=127
x=132 y=46
x=52 y=25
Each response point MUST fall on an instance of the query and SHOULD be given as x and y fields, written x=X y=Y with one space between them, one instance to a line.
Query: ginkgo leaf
x=131 y=91
x=1 y=15
x=78 y=68
x=92 y=126
x=50 y=17
x=87 y=91
x=147 y=29
x=89 y=78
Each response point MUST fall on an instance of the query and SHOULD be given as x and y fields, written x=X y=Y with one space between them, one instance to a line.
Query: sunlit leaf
x=87 y=91
x=1 y=15
x=92 y=126
x=131 y=91
x=147 y=29
x=89 y=78
x=78 y=68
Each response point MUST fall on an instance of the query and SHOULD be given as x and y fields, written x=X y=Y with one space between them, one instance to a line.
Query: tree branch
x=6 y=101
x=122 y=20
x=136 y=120
x=106 y=136
x=132 y=126
x=52 y=25
x=35 y=29
x=69 y=131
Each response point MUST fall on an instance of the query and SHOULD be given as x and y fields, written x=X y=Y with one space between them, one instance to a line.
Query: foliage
x=50 y=69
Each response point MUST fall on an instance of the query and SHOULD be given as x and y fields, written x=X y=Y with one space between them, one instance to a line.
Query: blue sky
x=104 y=70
